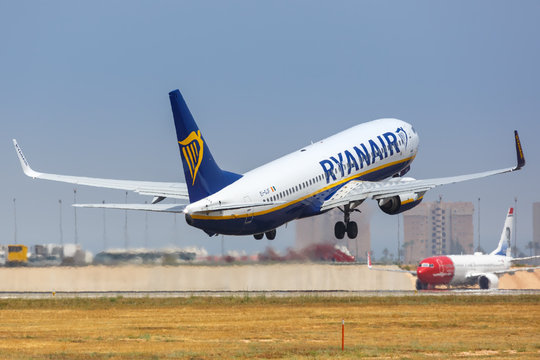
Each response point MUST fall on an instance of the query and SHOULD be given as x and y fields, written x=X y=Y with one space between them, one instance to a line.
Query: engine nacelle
x=488 y=281
x=400 y=203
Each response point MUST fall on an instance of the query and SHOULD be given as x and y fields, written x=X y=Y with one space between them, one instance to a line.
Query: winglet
x=519 y=152
x=24 y=164
x=369 y=259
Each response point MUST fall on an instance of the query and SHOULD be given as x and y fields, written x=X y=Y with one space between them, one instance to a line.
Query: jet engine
x=399 y=203
x=488 y=281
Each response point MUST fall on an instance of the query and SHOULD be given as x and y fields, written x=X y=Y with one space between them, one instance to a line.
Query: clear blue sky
x=84 y=85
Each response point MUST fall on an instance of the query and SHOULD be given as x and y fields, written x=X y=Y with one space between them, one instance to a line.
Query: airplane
x=461 y=270
x=368 y=160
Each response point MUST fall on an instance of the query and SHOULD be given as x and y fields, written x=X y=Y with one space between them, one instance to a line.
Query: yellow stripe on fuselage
x=279 y=207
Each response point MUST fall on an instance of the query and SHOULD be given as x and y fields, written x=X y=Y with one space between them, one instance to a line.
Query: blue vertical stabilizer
x=203 y=175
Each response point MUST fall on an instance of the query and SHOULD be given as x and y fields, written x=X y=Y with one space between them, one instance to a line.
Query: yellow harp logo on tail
x=192 y=150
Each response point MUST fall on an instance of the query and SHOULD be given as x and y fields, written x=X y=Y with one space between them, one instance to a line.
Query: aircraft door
x=403 y=139
x=249 y=211
x=440 y=266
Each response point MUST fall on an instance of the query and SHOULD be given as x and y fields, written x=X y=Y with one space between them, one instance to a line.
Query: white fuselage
x=296 y=184
x=465 y=265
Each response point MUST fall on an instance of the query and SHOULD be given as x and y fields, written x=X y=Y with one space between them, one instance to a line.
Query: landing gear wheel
x=352 y=229
x=420 y=285
x=271 y=235
x=339 y=230
x=258 y=236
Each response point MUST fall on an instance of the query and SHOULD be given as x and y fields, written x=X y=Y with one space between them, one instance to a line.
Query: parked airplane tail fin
x=504 y=248
x=203 y=175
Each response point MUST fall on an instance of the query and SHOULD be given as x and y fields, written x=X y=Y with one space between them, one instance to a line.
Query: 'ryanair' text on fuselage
x=381 y=148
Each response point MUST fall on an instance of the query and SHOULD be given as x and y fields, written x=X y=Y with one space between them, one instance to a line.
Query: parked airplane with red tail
x=462 y=270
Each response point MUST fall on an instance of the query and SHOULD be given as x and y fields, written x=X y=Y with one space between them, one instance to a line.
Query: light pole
x=15 y=220
x=479 y=246
x=60 y=216
x=126 y=241
x=398 y=244
x=146 y=228
x=75 y=213
x=104 y=228
x=515 y=226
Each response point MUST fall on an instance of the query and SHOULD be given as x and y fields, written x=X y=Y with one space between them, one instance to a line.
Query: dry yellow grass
x=501 y=327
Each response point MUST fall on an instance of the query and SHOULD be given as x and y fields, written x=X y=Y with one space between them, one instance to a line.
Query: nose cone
x=425 y=272
x=436 y=270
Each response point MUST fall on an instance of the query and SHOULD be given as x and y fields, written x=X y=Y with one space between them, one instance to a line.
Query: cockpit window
x=426 y=265
x=412 y=128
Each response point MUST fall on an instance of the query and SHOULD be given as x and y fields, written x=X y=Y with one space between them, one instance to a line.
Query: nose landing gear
x=420 y=285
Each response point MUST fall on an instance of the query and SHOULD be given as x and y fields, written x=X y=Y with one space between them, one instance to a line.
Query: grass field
x=414 y=327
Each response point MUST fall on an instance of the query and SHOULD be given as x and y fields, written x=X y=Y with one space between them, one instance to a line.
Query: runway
x=276 y=280
x=274 y=293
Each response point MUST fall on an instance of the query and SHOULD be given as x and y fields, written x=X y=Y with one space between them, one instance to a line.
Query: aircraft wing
x=357 y=191
x=172 y=208
x=514 y=270
x=394 y=270
x=159 y=190
x=370 y=267
x=502 y=272
x=526 y=258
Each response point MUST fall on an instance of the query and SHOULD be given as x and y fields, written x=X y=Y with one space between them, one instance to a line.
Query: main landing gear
x=346 y=226
x=270 y=235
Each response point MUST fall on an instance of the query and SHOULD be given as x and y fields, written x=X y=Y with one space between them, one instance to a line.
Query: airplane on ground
x=368 y=160
x=481 y=269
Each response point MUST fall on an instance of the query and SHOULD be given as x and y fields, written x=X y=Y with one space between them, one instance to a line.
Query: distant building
x=438 y=228
x=320 y=230
x=536 y=229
